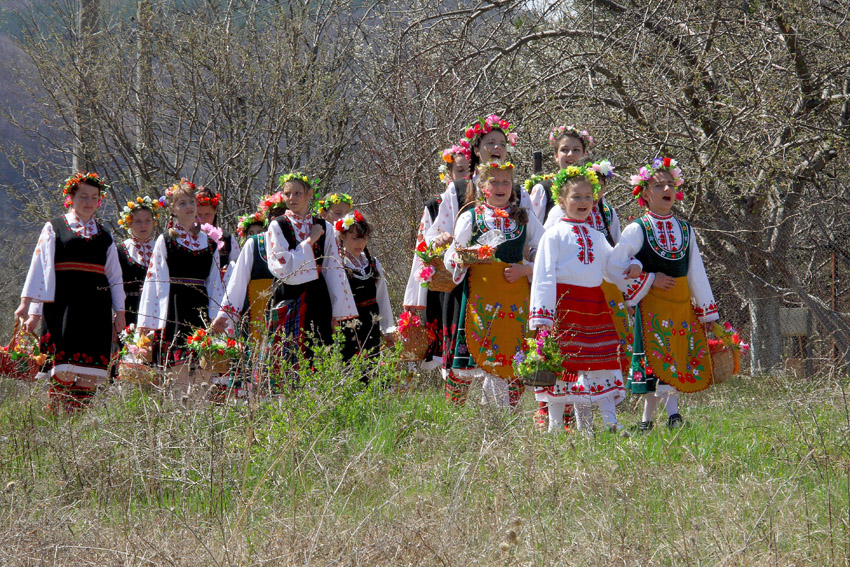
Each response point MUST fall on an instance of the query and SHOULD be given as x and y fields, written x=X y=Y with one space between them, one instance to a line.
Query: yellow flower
x=130 y=204
x=572 y=171
x=139 y=200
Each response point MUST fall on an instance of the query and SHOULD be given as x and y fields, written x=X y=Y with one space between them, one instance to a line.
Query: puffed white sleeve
x=538 y=201
x=342 y=300
x=415 y=295
x=544 y=301
x=40 y=284
x=234 y=250
x=535 y=232
x=701 y=295
x=153 y=305
x=610 y=272
x=289 y=265
x=445 y=220
x=215 y=288
x=463 y=238
x=524 y=199
x=556 y=213
x=630 y=244
x=237 y=284
x=385 y=308
x=115 y=276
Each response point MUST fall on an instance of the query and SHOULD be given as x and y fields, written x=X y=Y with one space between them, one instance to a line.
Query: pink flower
x=676 y=172
x=644 y=174
x=512 y=138
x=426 y=273
x=641 y=202
x=679 y=182
x=727 y=325
x=214 y=233
x=635 y=180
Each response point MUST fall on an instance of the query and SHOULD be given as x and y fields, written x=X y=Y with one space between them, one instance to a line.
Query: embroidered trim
x=79 y=267
x=542 y=313
x=585 y=244
x=659 y=244
x=510 y=228
x=634 y=289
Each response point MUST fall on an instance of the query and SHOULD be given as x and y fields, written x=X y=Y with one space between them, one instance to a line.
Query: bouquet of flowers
x=414 y=336
x=483 y=252
x=22 y=357
x=725 y=349
x=215 y=351
x=539 y=362
x=433 y=273
x=135 y=345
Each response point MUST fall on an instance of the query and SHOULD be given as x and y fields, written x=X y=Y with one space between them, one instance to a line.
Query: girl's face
x=85 y=201
x=460 y=167
x=499 y=186
x=577 y=202
x=185 y=210
x=353 y=244
x=492 y=147
x=141 y=225
x=336 y=212
x=569 y=151
x=206 y=214
x=660 y=192
x=297 y=197
x=255 y=228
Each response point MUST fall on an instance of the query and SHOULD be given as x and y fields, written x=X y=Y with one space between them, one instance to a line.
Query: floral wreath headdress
x=348 y=220
x=146 y=203
x=334 y=199
x=646 y=173
x=270 y=202
x=298 y=176
x=475 y=131
x=87 y=177
x=246 y=221
x=170 y=191
x=603 y=168
x=565 y=130
x=207 y=200
x=449 y=157
x=572 y=172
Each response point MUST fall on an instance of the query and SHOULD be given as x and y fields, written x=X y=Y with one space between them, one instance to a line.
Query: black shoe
x=643 y=427
x=675 y=421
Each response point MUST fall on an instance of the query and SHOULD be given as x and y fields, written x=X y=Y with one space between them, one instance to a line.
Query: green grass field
x=759 y=476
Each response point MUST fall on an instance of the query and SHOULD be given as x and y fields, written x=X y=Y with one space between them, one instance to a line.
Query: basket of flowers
x=483 y=254
x=22 y=358
x=215 y=351
x=539 y=363
x=433 y=274
x=414 y=336
x=136 y=355
x=725 y=350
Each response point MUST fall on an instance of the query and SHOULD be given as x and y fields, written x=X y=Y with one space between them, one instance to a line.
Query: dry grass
x=336 y=477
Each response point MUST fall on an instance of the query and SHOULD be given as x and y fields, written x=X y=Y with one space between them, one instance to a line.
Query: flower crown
x=571 y=172
x=448 y=157
x=646 y=173
x=571 y=130
x=247 y=220
x=475 y=131
x=529 y=183
x=503 y=166
x=183 y=181
x=334 y=199
x=270 y=202
x=603 y=168
x=348 y=220
x=297 y=176
x=140 y=203
x=87 y=177
x=207 y=200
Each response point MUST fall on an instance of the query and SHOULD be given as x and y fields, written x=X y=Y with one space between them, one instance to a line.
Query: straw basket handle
x=14 y=340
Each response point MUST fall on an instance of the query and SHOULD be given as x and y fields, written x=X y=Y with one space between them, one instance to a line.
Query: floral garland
x=571 y=130
x=477 y=130
x=87 y=177
x=535 y=179
x=540 y=353
x=571 y=172
x=183 y=181
x=269 y=203
x=207 y=200
x=140 y=203
x=298 y=176
x=348 y=220
x=334 y=199
x=246 y=221
x=448 y=157
x=646 y=173
x=603 y=168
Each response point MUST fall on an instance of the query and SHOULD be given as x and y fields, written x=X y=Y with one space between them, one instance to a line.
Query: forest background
x=753 y=98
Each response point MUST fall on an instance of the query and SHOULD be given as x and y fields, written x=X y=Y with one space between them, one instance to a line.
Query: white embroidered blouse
x=382 y=296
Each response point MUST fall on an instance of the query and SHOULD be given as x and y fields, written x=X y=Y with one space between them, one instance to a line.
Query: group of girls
x=635 y=302
x=296 y=277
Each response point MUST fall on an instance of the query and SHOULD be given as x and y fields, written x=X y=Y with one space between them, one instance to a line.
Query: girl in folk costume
x=572 y=261
x=675 y=305
x=334 y=207
x=208 y=204
x=249 y=287
x=570 y=147
x=418 y=297
x=492 y=308
x=183 y=285
x=74 y=284
x=139 y=219
x=368 y=286
x=313 y=294
x=249 y=225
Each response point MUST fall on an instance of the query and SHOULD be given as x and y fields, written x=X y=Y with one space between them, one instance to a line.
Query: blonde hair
x=182 y=189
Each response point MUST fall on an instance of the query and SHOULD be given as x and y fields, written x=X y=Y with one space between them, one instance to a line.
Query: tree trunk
x=87 y=26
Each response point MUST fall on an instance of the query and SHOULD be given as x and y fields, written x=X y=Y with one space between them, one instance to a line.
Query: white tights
x=650 y=404
x=584 y=416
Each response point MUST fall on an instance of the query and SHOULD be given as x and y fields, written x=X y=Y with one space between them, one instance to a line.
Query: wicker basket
x=138 y=373
x=414 y=344
x=722 y=365
x=215 y=364
x=25 y=368
x=469 y=256
x=442 y=280
x=541 y=378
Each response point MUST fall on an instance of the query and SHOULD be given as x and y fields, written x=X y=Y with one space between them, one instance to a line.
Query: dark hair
x=563 y=137
x=474 y=160
x=360 y=229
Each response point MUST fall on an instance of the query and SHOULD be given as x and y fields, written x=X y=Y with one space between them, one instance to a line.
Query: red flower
x=421 y=247
x=511 y=316
x=338 y=226
x=501 y=315
x=636 y=190
x=358 y=216
x=667 y=162
x=668 y=358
